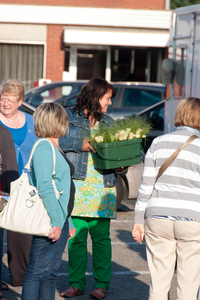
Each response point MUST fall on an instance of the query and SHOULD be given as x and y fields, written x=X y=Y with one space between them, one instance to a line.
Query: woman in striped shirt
x=167 y=211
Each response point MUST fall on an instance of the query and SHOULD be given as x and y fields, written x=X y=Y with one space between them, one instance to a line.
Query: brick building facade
x=129 y=4
x=79 y=39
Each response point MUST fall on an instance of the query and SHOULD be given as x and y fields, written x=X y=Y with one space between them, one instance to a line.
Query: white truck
x=182 y=68
x=181 y=71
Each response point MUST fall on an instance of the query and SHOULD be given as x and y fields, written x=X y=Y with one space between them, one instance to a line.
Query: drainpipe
x=167 y=4
x=108 y=64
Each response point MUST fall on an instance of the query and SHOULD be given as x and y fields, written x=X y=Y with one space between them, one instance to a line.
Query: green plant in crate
x=119 y=144
x=126 y=129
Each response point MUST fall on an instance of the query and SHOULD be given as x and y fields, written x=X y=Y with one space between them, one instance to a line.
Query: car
x=155 y=115
x=28 y=108
x=131 y=98
x=52 y=91
x=127 y=186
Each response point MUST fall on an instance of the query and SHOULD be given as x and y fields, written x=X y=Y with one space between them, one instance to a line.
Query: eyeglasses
x=7 y=100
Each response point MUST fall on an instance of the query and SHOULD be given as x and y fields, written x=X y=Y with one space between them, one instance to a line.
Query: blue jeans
x=45 y=259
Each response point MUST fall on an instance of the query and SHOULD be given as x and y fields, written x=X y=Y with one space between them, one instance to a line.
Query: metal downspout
x=171 y=103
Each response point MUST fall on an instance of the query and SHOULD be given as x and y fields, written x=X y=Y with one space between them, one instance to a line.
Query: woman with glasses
x=21 y=127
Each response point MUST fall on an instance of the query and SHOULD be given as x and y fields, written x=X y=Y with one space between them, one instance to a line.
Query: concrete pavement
x=130 y=279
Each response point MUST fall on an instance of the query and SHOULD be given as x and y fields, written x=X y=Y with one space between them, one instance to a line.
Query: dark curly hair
x=89 y=97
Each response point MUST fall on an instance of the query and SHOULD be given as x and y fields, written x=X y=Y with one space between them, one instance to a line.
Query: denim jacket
x=79 y=128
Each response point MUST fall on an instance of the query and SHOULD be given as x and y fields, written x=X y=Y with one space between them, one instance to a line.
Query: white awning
x=116 y=37
x=85 y=16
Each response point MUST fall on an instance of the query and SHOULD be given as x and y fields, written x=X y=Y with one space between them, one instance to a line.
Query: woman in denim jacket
x=95 y=201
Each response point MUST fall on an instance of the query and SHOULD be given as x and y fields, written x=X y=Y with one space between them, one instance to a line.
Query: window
x=67 y=54
x=113 y=99
x=70 y=102
x=140 y=97
x=155 y=116
x=50 y=95
x=91 y=63
x=24 y=62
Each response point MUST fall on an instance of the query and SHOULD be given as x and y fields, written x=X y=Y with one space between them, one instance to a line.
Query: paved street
x=130 y=279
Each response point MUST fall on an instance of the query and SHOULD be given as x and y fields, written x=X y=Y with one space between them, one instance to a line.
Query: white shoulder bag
x=25 y=211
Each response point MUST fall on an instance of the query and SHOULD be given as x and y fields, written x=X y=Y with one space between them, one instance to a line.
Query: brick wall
x=134 y=4
x=55 y=48
x=55 y=52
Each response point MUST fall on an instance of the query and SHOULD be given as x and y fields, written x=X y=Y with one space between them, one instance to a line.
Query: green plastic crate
x=117 y=154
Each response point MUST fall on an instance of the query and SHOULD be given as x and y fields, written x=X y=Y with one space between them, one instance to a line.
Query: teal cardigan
x=41 y=178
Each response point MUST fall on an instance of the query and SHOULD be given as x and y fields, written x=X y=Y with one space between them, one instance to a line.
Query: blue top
x=19 y=135
x=24 y=139
x=41 y=178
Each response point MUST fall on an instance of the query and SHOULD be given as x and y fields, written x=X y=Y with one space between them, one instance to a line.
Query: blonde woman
x=46 y=252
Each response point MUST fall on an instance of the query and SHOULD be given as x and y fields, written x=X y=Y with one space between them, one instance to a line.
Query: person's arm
x=121 y=171
x=72 y=233
x=42 y=163
x=10 y=169
x=71 y=141
x=146 y=188
x=68 y=143
x=138 y=232
x=70 y=222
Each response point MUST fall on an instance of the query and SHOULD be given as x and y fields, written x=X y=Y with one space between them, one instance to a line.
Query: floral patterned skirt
x=92 y=199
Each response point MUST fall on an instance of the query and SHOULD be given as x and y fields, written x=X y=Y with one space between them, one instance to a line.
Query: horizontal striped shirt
x=177 y=192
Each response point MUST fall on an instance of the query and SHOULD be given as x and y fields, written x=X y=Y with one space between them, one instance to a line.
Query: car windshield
x=50 y=95
x=140 y=97
x=25 y=107
x=155 y=115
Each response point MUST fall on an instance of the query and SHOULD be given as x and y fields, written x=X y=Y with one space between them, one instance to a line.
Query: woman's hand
x=138 y=232
x=55 y=233
x=72 y=233
x=86 y=146
x=120 y=170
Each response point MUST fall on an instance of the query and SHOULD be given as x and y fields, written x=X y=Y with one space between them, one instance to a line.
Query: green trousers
x=99 y=229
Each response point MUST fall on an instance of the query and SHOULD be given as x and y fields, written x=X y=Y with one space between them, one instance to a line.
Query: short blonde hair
x=51 y=120
x=188 y=113
x=13 y=87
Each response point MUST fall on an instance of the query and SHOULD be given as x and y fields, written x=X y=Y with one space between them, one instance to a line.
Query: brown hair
x=90 y=95
x=188 y=113
x=13 y=87
x=50 y=120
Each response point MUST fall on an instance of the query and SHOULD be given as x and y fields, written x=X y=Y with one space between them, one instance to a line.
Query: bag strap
x=170 y=159
x=32 y=151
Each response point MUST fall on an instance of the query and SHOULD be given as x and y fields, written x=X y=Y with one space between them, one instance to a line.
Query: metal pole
x=171 y=104
x=108 y=64
x=167 y=4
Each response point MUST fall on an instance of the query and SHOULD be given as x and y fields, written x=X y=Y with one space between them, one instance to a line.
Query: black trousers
x=19 y=246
